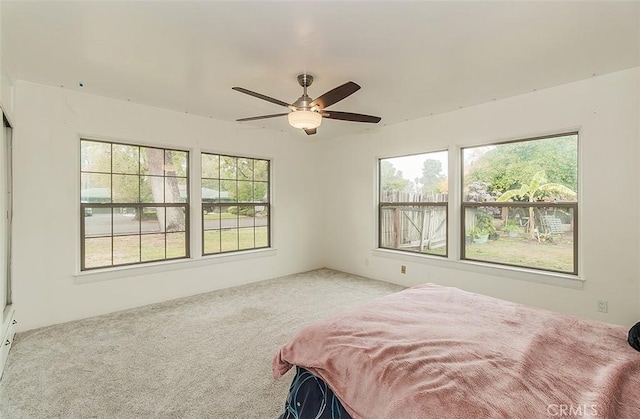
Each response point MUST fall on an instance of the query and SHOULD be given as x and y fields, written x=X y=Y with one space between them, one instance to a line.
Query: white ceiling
x=412 y=59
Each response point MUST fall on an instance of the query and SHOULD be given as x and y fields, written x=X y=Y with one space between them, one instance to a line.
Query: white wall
x=46 y=222
x=605 y=109
x=6 y=83
x=324 y=199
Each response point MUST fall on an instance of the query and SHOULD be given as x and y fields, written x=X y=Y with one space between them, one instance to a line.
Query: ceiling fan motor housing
x=305 y=80
x=307 y=113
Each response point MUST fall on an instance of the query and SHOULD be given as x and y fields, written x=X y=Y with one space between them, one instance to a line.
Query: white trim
x=8 y=332
x=454 y=220
x=118 y=272
x=531 y=275
x=196 y=258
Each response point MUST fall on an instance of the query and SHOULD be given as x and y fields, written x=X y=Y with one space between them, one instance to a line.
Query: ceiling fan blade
x=311 y=131
x=348 y=116
x=335 y=95
x=261 y=96
x=254 y=118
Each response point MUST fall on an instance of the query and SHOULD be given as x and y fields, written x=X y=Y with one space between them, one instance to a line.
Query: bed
x=440 y=352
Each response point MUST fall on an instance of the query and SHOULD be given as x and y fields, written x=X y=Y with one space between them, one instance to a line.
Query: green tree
x=432 y=176
x=134 y=174
x=536 y=188
x=245 y=180
x=392 y=179
x=508 y=166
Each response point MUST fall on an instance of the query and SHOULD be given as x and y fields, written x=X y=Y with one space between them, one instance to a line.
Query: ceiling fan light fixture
x=304 y=119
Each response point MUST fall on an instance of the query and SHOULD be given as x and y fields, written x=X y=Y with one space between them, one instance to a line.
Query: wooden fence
x=420 y=227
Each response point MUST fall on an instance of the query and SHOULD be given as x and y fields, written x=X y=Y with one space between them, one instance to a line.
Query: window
x=520 y=203
x=134 y=204
x=235 y=204
x=413 y=203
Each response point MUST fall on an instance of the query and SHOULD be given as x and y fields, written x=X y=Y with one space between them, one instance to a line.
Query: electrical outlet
x=403 y=269
x=603 y=306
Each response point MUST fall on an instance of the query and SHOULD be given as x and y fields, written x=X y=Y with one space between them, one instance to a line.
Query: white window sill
x=543 y=277
x=106 y=274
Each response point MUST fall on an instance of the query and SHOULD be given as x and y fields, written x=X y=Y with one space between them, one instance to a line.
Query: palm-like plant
x=532 y=190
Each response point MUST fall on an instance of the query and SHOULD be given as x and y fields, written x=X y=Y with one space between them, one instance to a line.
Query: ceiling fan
x=307 y=113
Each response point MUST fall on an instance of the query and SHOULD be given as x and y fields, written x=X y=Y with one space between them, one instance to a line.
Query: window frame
x=424 y=204
x=573 y=205
x=563 y=205
x=455 y=257
x=266 y=204
x=137 y=205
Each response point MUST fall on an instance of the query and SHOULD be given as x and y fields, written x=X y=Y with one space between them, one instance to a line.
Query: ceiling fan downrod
x=302 y=104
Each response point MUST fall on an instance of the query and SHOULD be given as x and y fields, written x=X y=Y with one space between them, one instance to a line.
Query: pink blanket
x=437 y=352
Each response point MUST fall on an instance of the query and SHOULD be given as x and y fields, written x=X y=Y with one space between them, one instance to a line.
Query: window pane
x=126 y=249
x=175 y=163
x=262 y=215
x=245 y=169
x=151 y=161
x=260 y=192
x=211 y=217
x=228 y=167
x=420 y=229
x=537 y=165
x=246 y=238
x=229 y=218
x=97 y=252
x=415 y=178
x=95 y=156
x=210 y=166
x=245 y=191
x=152 y=189
x=175 y=189
x=126 y=159
x=210 y=191
x=176 y=245
x=126 y=188
x=95 y=188
x=152 y=247
x=228 y=191
x=152 y=220
x=211 y=242
x=97 y=221
x=261 y=170
x=246 y=215
x=262 y=236
x=175 y=219
x=229 y=240
x=125 y=221
x=534 y=237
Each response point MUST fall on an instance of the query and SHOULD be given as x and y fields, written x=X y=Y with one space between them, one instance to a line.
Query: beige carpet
x=207 y=356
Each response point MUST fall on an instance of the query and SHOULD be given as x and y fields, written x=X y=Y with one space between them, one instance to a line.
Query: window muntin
x=520 y=203
x=134 y=204
x=235 y=203
x=413 y=203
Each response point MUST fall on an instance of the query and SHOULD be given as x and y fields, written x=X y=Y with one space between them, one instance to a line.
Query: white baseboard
x=8 y=332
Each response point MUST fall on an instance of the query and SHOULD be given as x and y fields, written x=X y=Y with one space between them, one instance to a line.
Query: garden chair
x=550 y=226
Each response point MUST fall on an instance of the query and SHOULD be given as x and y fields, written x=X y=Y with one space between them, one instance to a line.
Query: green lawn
x=133 y=249
x=554 y=255
x=222 y=216
x=150 y=247
x=216 y=241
